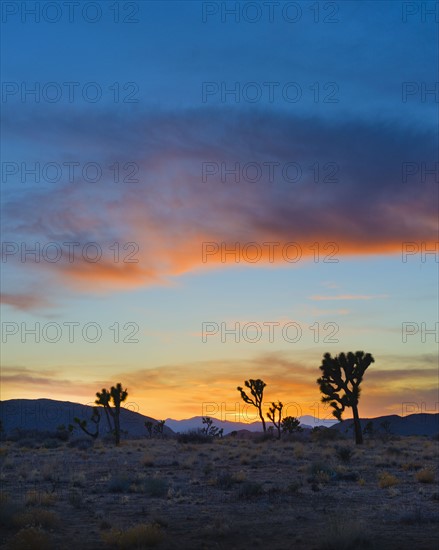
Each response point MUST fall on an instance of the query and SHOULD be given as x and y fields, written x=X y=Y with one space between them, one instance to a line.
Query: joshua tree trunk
x=357 y=426
x=261 y=416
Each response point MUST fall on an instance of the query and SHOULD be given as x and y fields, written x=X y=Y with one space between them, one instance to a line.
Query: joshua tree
x=158 y=428
x=276 y=411
x=149 y=425
x=291 y=424
x=112 y=410
x=256 y=388
x=209 y=429
x=340 y=384
x=95 y=418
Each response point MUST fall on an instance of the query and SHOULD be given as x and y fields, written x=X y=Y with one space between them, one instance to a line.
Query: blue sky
x=338 y=101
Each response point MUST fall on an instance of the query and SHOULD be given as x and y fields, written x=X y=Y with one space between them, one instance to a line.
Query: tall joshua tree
x=340 y=384
x=256 y=388
x=111 y=401
x=275 y=415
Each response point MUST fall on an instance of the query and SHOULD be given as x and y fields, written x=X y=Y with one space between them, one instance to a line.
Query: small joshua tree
x=340 y=384
x=158 y=428
x=275 y=415
x=111 y=401
x=149 y=425
x=209 y=429
x=256 y=388
x=291 y=424
x=95 y=418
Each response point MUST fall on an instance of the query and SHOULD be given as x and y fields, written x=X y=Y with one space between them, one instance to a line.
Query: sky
x=199 y=193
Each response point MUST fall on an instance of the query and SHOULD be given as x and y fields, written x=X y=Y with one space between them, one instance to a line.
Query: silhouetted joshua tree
x=111 y=401
x=340 y=384
x=95 y=418
x=256 y=388
x=291 y=424
x=158 y=428
x=209 y=429
x=149 y=426
x=275 y=415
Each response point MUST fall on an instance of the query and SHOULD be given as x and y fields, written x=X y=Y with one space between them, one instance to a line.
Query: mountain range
x=47 y=414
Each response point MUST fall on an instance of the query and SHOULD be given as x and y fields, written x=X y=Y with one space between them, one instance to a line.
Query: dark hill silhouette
x=412 y=424
x=47 y=414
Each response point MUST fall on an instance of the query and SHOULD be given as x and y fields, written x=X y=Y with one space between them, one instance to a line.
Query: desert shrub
x=37 y=517
x=81 y=444
x=321 y=433
x=426 y=475
x=40 y=498
x=119 y=484
x=410 y=466
x=321 y=473
x=143 y=535
x=386 y=480
x=194 y=436
x=148 y=460
x=226 y=480
x=75 y=498
x=30 y=538
x=394 y=451
x=155 y=487
x=344 y=453
x=51 y=443
x=250 y=489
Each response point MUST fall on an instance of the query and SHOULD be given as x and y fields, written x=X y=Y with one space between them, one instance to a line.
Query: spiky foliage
x=158 y=428
x=111 y=401
x=209 y=429
x=95 y=418
x=291 y=424
x=275 y=415
x=256 y=388
x=149 y=426
x=340 y=384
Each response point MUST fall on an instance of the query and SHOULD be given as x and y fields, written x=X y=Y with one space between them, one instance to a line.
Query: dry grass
x=426 y=475
x=140 y=536
x=386 y=480
x=30 y=538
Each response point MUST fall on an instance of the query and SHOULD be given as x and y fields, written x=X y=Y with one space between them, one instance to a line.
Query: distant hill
x=48 y=414
x=228 y=427
x=413 y=424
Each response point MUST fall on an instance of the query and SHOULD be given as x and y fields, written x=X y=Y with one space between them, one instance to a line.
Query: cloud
x=25 y=301
x=319 y=298
x=365 y=207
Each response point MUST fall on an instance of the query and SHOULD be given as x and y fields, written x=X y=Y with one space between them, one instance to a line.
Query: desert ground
x=228 y=493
